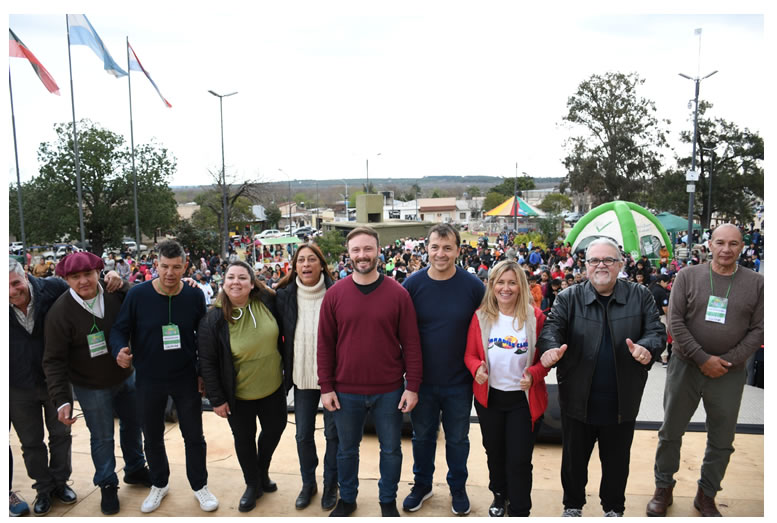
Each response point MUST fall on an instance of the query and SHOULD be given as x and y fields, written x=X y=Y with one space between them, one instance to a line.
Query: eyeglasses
x=608 y=262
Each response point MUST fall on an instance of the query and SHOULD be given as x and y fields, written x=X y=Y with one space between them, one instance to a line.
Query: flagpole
x=132 y=147
x=18 y=179
x=75 y=142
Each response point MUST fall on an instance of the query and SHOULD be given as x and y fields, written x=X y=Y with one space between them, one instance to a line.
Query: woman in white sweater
x=299 y=298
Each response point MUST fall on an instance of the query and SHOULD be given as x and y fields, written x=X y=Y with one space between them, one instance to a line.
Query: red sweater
x=368 y=344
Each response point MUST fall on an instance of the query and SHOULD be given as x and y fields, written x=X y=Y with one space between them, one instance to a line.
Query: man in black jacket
x=30 y=299
x=604 y=334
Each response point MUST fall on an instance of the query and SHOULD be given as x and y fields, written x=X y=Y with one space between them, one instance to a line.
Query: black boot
x=305 y=495
x=248 y=500
x=268 y=485
x=343 y=509
x=329 y=496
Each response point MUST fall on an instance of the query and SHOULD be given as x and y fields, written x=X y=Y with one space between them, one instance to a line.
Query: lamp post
x=224 y=213
x=289 y=179
x=368 y=175
x=692 y=176
x=709 y=186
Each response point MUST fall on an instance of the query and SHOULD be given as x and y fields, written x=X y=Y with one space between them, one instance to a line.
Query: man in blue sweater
x=156 y=331
x=445 y=298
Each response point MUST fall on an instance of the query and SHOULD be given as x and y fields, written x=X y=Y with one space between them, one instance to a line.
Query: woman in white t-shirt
x=509 y=386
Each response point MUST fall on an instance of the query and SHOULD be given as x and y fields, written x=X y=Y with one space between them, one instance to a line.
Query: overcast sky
x=436 y=89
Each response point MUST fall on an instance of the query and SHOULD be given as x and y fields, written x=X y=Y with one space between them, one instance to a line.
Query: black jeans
x=509 y=442
x=152 y=400
x=48 y=467
x=254 y=455
x=578 y=440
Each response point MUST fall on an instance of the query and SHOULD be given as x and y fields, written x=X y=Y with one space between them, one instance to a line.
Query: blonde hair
x=523 y=304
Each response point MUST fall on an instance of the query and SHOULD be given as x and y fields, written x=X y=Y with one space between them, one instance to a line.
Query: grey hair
x=606 y=241
x=15 y=266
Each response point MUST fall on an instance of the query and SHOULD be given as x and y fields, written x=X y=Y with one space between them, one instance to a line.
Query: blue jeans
x=305 y=410
x=455 y=403
x=350 y=427
x=98 y=406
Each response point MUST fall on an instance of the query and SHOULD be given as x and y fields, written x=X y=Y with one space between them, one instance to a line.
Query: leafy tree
x=300 y=198
x=352 y=198
x=332 y=244
x=436 y=194
x=473 y=191
x=736 y=170
x=555 y=203
x=239 y=200
x=196 y=238
x=617 y=150
x=368 y=189
x=507 y=187
x=51 y=203
x=492 y=200
x=550 y=228
x=273 y=215
x=208 y=217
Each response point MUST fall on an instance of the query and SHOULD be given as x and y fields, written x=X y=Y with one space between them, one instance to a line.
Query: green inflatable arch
x=630 y=225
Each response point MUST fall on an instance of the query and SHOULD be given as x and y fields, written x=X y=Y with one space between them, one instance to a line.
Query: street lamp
x=225 y=216
x=692 y=176
x=289 y=179
x=368 y=175
x=709 y=186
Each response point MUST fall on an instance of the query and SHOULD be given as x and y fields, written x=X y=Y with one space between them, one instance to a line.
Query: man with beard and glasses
x=603 y=334
x=368 y=345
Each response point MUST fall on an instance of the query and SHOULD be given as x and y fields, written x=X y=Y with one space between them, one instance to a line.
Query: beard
x=373 y=263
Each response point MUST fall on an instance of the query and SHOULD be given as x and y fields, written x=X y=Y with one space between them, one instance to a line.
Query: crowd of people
x=420 y=327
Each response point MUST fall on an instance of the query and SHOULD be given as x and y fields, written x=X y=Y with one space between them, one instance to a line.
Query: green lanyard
x=91 y=309
x=712 y=290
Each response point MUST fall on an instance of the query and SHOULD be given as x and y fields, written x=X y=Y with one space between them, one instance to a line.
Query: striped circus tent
x=506 y=208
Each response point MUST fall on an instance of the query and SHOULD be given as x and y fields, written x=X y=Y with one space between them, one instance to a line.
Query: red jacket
x=537 y=395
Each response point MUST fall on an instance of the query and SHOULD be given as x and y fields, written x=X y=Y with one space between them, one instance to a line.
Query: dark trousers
x=152 y=400
x=254 y=455
x=305 y=411
x=49 y=467
x=578 y=440
x=508 y=438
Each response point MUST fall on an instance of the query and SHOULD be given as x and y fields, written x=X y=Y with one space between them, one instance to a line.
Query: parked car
x=62 y=250
x=301 y=232
x=15 y=247
x=571 y=216
x=268 y=233
x=130 y=246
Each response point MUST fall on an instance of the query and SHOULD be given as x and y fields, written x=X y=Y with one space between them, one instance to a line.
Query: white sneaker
x=208 y=501
x=154 y=498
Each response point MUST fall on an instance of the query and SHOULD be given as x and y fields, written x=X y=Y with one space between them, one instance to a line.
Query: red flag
x=19 y=50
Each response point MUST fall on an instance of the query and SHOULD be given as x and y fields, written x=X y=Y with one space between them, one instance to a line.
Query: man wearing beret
x=77 y=328
x=30 y=299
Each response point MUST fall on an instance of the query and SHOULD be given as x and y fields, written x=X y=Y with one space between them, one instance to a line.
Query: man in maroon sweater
x=368 y=346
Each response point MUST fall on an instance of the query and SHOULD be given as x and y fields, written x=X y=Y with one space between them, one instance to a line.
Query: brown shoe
x=705 y=504
x=662 y=499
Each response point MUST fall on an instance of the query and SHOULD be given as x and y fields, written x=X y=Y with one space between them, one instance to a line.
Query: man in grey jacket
x=603 y=335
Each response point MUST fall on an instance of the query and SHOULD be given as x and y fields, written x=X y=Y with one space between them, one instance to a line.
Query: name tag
x=716 y=309
x=97 y=345
x=171 y=337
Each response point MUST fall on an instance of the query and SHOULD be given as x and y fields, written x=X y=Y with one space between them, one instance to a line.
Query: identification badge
x=716 y=309
x=171 y=337
x=97 y=345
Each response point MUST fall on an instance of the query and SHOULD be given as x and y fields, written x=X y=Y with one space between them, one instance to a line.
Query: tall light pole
x=709 y=186
x=289 y=179
x=225 y=215
x=692 y=176
x=368 y=175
